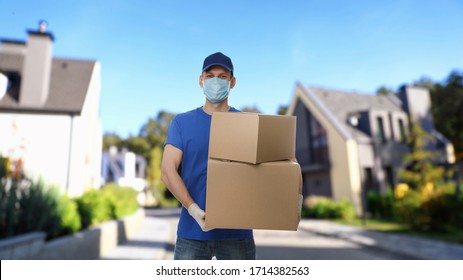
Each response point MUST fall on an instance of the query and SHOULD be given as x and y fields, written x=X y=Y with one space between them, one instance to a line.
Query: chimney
x=416 y=101
x=36 y=74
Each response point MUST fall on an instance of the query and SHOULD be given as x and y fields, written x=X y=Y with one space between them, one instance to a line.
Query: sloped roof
x=341 y=103
x=69 y=83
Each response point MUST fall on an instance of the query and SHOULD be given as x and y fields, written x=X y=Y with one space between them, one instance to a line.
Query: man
x=187 y=144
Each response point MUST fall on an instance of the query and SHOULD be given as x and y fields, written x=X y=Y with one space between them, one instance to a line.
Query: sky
x=151 y=52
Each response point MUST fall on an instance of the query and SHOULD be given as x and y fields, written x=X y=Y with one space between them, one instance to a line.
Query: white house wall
x=87 y=141
x=65 y=150
x=93 y=131
x=42 y=141
x=77 y=172
x=367 y=158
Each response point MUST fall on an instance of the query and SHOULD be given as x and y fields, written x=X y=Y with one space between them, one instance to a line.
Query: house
x=49 y=113
x=124 y=168
x=349 y=143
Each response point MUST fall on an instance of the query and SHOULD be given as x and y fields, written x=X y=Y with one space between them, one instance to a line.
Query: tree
x=420 y=169
x=111 y=139
x=250 y=109
x=447 y=109
x=137 y=144
x=282 y=109
x=384 y=91
x=425 y=82
x=155 y=130
x=154 y=174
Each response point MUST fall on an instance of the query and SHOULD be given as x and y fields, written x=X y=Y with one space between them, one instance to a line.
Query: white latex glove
x=199 y=215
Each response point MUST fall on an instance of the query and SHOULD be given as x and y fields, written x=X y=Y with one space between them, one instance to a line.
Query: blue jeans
x=241 y=249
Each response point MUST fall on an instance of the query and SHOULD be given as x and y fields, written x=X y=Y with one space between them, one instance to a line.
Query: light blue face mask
x=216 y=89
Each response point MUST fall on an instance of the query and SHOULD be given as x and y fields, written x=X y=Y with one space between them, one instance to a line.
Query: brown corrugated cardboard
x=251 y=137
x=247 y=196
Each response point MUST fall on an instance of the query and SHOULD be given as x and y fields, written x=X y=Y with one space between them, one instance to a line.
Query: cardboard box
x=247 y=196
x=251 y=137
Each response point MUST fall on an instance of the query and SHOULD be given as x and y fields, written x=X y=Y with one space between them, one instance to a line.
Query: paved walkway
x=155 y=239
x=152 y=242
x=414 y=247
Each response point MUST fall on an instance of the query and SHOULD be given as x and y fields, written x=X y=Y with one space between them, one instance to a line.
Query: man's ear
x=232 y=82
x=201 y=80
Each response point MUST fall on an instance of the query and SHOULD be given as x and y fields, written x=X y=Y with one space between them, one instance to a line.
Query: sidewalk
x=155 y=239
x=412 y=246
x=150 y=243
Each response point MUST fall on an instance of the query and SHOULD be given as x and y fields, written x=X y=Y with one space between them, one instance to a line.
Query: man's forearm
x=177 y=187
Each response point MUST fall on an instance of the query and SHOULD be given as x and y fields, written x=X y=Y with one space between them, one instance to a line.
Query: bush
x=8 y=208
x=436 y=211
x=381 y=205
x=443 y=209
x=93 y=208
x=122 y=200
x=70 y=219
x=347 y=209
x=111 y=202
x=326 y=208
x=27 y=207
x=38 y=210
x=408 y=210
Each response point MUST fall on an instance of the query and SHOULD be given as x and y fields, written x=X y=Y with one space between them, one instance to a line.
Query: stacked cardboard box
x=251 y=183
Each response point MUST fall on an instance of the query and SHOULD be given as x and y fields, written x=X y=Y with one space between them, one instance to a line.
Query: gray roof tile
x=69 y=83
x=341 y=103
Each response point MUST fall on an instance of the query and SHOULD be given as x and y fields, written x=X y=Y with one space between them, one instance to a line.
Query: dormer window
x=380 y=126
x=402 y=130
x=4 y=85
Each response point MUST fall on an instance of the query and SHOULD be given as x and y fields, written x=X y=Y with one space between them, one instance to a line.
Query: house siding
x=41 y=140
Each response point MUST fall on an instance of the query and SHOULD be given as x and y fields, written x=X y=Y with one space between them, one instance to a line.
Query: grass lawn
x=452 y=235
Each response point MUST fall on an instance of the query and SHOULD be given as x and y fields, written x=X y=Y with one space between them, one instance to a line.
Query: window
x=4 y=85
x=402 y=130
x=318 y=143
x=381 y=134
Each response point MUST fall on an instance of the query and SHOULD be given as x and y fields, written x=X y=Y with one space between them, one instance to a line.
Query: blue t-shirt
x=189 y=132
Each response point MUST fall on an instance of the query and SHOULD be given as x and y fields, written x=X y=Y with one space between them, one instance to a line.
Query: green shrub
x=38 y=210
x=373 y=203
x=408 y=210
x=122 y=200
x=326 y=208
x=70 y=219
x=93 y=207
x=381 y=205
x=443 y=209
x=347 y=209
x=9 y=194
x=110 y=202
x=26 y=206
x=437 y=211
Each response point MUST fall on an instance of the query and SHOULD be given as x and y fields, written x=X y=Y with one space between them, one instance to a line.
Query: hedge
x=27 y=206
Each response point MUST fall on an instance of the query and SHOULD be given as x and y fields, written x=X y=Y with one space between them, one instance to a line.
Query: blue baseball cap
x=218 y=59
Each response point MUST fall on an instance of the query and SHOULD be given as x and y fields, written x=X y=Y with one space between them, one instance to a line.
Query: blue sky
x=151 y=52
